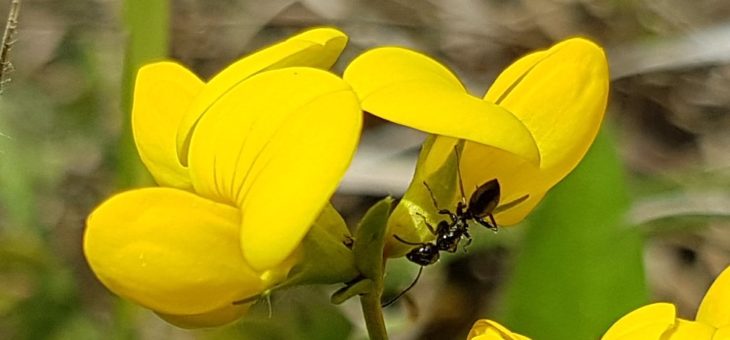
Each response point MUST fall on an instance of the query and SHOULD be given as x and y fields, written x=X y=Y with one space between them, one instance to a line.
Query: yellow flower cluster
x=247 y=161
x=656 y=321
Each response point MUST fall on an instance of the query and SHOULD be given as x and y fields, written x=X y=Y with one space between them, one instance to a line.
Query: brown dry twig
x=11 y=29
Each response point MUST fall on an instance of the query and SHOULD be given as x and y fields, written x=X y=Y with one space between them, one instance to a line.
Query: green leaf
x=581 y=266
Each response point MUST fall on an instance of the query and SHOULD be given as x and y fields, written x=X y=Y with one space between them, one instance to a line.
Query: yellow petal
x=722 y=334
x=319 y=47
x=218 y=317
x=276 y=145
x=648 y=322
x=560 y=95
x=517 y=179
x=163 y=93
x=169 y=250
x=490 y=330
x=715 y=307
x=412 y=89
x=689 y=330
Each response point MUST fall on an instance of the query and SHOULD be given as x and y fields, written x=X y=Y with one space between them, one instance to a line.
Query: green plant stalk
x=147 y=28
x=373 y=312
x=147 y=25
x=369 y=261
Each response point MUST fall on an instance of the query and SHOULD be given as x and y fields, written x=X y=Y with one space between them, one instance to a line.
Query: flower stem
x=374 y=313
x=369 y=261
x=147 y=24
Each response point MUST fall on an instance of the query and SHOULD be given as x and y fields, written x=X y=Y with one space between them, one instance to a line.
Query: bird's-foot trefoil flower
x=489 y=330
x=245 y=163
x=529 y=131
x=660 y=321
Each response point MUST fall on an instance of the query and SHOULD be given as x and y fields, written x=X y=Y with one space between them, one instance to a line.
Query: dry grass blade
x=11 y=30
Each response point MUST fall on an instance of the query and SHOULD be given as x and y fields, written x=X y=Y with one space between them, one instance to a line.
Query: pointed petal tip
x=321 y=35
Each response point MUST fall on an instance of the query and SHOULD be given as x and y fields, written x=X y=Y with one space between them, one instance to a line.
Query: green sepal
x=369 y=240
x=343 y=294
x=327 y=257
x=407 y=220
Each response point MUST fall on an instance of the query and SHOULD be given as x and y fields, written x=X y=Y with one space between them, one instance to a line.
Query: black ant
x=448 y=234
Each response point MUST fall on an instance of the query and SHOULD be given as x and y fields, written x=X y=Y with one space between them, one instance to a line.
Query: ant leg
x=433 y=197
x=458 y=174
x=406 y=242
x=492 y=227
x=390 y=302
x=468 y=240
x=494 y=222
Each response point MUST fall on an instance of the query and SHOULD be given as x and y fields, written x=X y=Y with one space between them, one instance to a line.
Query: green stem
x=147 y=26
x=369 y=261
x=374 y=313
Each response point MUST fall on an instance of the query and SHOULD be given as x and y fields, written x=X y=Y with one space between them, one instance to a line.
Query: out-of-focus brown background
x=60 y=118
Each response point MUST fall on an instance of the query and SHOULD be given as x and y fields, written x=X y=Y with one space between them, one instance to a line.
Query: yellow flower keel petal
x=169 y=250
x=215 y=318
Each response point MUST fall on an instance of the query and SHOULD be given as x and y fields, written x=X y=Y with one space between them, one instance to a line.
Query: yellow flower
x=489 y=330
x=659 y=320
x=529 y=131
x=245 y=162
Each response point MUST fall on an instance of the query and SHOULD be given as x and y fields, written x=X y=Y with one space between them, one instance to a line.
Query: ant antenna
x=391 y=301
x=458 y=174
x=406 y=242
x=433 y=197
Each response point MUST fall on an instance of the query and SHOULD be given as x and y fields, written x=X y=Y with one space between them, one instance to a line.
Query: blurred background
x=644 y=218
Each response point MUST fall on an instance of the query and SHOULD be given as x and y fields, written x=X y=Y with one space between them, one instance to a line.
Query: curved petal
x=560 y=95
x=215 y=318
x=388 y=66
x=648 y=322
x=490 y=330
x=517 y=179
x=276 y=145
x=162 y=94
x=319 y=47
x=412 y=89
x=169 y=250
x=715 y=307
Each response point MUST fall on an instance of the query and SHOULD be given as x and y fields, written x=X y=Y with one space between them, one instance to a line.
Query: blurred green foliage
x=580 y=265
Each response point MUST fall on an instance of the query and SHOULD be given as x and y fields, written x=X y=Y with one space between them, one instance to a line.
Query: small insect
x=483 y=204
x=450 y=233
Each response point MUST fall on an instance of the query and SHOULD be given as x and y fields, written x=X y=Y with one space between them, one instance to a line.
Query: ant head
x=485 y=199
